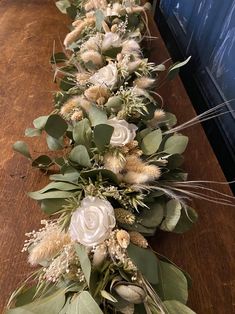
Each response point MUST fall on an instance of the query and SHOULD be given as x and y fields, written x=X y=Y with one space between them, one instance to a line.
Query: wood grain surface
x=27 y=31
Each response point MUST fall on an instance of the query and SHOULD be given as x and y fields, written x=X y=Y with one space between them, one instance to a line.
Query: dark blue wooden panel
x=205 y=29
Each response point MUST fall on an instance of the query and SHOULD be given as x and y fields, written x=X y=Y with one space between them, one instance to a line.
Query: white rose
x=111 y=40
x=106 y=76
x=123 y=132
x=92 y=222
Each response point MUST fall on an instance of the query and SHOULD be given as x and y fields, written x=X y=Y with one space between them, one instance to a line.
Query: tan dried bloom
x=69 y=106
x=113 y=163
x=138 y=172
x=49 y=246
x=114 y=28
x=77 y=23
x=82 y=78
x=77 y=115
x=158 y=116
x=144 y=82
x=74 y=35
x=133 y=66
x=94 y=93
x=92 y=56
x=138 y=239
x=130 y=46
x=124 y=216
x=123 y=238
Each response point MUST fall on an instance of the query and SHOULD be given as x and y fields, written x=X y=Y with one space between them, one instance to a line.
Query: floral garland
x=118 y=177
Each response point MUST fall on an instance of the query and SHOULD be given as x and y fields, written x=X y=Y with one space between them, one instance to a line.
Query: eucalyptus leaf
x=84 y=261
x=61 y=186
x=146 y=262
x=51 y=304
x=39 y=123
x=31 y=132
x=42 y=162
x=97 y=115
x=174 y=307
x=187 y=219
x=79 y=155
x=102 y=136
x=54 y=143
x=22 y=148
x=55 y=126
x=151 y=142
x=99 y=18
x=51 y=206
x=66 y=177
x=172 y=215
x=151 y=217
x=82 y=132
x=172 y=283
x=48 y=195
x=86 y=304
x=176 y=144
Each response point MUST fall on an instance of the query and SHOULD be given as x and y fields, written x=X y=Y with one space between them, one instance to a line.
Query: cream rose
x=92 y=222
x=123 y=132
x=110 y=40
x=107 y=76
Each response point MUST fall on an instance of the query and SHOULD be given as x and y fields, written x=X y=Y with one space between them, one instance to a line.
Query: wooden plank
x=27 y=31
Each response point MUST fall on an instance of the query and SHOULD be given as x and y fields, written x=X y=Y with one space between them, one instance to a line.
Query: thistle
x=124 y=216
x=138 y=239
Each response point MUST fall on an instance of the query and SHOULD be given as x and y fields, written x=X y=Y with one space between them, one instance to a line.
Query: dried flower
x=92 y=56
x=110 y=40
x=75 y=34
x=94 y=93
x=49 y=246
x=92 y=222
x=69 y=106
x=138 y=239
x=158 y=116
x=105 y=27
x=123 y=238
x=100 y=254
x=130 y=46
x=82 y=78
x=123 y=133
x=144 y=82
x=113 y=163
x=77 y=115
x=124 y=216
x=130 y=292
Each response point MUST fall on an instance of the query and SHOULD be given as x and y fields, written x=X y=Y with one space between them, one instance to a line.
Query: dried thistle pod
x=123 y=238
x=124 y=216
x=130 y=292
x=138 y=239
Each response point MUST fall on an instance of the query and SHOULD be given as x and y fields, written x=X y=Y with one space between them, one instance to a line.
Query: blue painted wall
x=205 y=29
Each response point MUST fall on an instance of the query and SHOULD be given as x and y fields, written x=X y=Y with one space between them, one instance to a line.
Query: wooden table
x=27 y=31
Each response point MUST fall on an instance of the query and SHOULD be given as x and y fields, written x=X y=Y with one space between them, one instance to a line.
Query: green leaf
x=97 y=116
x=51 y=206
x=187 y=219
x=87 y=304
x=99 y=18
x=62 y=5
x=102 y=136
x=152 y=217
x=84 y=261
x=39 y=123
x=31 y=132
x=58 y=57
x=42 y=162
x=175 y=161
x=72 y=12
x=176 y=144
x=151 y=142
x=54 y=143
x=22 y=148
x=170 y=119
x=174 y=69
x=103 y=172
x=79 y=155
x=174 y=307
x=173 y=212
x=51 y=304
x=114 y=103
x=112 y=52
x=56 y=126
x=172 y=283
x=54 y=194
x=61 y=186
x=66 y=177
x=146 y=262
x=82 y=132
